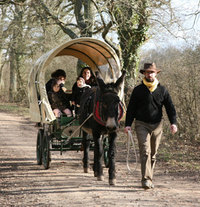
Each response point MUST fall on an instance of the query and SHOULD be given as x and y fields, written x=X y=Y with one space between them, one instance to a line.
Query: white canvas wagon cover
x=95 y=53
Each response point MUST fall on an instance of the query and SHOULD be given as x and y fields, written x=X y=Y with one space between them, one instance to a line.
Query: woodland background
x=29 y=28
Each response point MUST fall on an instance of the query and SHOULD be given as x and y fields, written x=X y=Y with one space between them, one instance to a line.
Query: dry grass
x=14 y=108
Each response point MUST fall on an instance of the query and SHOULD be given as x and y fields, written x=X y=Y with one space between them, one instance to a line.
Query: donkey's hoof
x=100 y=178
x=95 y=174
x=112 y=181
x=86 y=169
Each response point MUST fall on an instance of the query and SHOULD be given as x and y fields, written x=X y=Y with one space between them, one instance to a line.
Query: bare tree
x=180 y=74
x=128 y=19
x=18 y=43
x=124 y=25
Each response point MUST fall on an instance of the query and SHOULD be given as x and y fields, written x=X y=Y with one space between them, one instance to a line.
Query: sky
x=187 y=34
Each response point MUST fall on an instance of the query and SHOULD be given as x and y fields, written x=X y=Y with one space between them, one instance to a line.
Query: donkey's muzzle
x=111 y=124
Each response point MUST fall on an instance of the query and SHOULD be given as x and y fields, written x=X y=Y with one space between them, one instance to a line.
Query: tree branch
x=63 y=26
x=106 y=29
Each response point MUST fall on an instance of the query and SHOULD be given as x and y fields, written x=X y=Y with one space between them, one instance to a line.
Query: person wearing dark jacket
x=59 y=100
x=145 y=107
x=78 y=91
x=88 y=76
x=60 y=75
x=89 y=79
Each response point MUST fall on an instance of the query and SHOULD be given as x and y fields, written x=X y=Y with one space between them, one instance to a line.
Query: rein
x=79 y=127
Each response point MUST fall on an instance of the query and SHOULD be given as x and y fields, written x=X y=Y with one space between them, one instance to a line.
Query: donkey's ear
x=101 y=83
x=99 y=80
x=120 y=80
x=97 y=74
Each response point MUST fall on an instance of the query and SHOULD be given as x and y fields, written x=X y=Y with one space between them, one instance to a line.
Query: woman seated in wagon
x=58 y=99
x=85 y=80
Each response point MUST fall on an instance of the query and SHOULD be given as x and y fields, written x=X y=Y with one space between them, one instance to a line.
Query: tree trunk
x=84 y=12
x=132 y=31
x=13 y=86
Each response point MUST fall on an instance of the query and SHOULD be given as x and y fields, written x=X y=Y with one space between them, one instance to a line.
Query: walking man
x=145 y=107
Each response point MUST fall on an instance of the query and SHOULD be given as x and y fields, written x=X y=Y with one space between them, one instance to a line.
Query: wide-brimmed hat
x=149 y=67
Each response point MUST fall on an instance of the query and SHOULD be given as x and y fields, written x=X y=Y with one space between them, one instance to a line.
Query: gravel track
x=24 y=183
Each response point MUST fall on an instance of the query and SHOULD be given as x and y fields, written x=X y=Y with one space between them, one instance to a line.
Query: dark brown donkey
x=107 y=109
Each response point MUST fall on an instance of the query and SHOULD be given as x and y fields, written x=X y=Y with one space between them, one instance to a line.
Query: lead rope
x=129 y=141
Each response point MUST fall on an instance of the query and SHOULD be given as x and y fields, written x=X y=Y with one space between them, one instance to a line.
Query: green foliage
x=132 y=26
x=14 y=108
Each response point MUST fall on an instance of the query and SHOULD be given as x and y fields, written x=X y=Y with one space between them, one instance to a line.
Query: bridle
x=98 y=108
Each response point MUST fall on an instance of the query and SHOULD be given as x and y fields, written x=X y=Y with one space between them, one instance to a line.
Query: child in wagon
x=78 y=91
x=58 y=99
x=60 y=75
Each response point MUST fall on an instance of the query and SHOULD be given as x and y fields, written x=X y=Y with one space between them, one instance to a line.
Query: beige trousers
x=149 y=136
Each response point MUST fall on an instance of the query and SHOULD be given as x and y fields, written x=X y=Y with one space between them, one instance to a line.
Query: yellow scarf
x=151 y=85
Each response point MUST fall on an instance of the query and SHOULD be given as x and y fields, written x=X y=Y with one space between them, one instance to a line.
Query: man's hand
x=173 y=128
x=128 y=128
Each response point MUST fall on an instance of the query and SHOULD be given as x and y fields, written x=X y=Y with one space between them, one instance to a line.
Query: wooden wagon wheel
x=39 y=146
x=46 y=151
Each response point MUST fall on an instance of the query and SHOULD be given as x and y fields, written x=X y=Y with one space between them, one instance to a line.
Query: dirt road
x=23 y=183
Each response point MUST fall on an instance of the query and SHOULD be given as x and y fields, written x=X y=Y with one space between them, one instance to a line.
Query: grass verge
x=14 y=108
